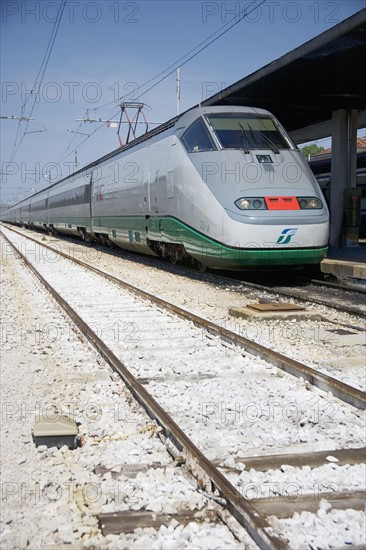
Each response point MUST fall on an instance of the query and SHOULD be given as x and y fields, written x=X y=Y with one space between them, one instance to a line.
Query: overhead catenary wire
x=179 y=62
x=39 y=78
x=72 y=140
x=85 y=139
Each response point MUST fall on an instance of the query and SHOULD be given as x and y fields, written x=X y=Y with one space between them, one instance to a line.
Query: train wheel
x=202 y=267
x=174 y=258
x=84 y=235
x=163 y=250
x=176 y=253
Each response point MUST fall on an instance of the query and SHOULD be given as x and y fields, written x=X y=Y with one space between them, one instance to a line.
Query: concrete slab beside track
x=346 y=262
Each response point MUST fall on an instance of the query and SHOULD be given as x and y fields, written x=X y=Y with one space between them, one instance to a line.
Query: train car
x=223 y=187
x=38 y=210
x=321 y=167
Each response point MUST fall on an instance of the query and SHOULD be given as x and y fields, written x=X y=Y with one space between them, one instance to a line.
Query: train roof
x=188 y=116
x=320 y=163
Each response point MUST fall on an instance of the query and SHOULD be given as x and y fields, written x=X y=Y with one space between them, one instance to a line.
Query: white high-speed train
x=222 y=186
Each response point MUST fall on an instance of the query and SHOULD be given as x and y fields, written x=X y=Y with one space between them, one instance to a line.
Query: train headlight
x=310 y=203
x=252 y=203
x=243 y=204
x=315 y=203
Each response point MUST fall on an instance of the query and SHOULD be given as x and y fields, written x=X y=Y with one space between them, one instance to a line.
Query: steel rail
x=297 y=295
x=198 y=464
x=317 y=282
x=342 y=391
x=273 y=290
x=339 y=389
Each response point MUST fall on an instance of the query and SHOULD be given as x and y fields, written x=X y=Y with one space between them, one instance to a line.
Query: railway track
x=152 y=372
x=335 y=296
x=346 y=298
x=48 y=366
x=206 y=473
x=330 y=340
x=343 y=391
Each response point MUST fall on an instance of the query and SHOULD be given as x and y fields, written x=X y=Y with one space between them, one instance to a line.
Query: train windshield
x=247 y=131
x=197 y=138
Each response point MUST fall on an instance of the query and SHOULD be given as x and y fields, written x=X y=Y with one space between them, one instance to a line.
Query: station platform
x=346 y=262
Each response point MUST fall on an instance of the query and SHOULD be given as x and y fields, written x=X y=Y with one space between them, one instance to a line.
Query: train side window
x=197 y=138
x=361 y=179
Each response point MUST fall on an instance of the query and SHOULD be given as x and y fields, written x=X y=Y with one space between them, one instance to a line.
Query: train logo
x=286 y=235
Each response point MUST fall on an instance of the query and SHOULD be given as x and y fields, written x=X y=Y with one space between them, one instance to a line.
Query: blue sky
x=106 y=49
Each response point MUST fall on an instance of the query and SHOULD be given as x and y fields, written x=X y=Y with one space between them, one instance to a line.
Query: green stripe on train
x=135 y=230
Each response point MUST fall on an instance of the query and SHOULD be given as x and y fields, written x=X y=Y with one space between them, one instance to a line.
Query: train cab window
x=248 y=131
x=197 y=138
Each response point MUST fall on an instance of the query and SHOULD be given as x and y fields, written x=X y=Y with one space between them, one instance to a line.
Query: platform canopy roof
x=304 y=87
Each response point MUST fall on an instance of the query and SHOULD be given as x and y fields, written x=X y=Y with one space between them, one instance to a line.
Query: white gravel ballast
x=230 y=403
x=321 y=344
x=51 y=497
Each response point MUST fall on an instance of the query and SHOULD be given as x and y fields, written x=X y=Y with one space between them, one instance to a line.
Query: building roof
x=361 y=145
x=304 y=87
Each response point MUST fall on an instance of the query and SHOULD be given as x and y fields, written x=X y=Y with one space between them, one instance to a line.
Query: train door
x=47 y=212
x=170 y=168
x=89 y=197
x=146 y=200
x=95 y=194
